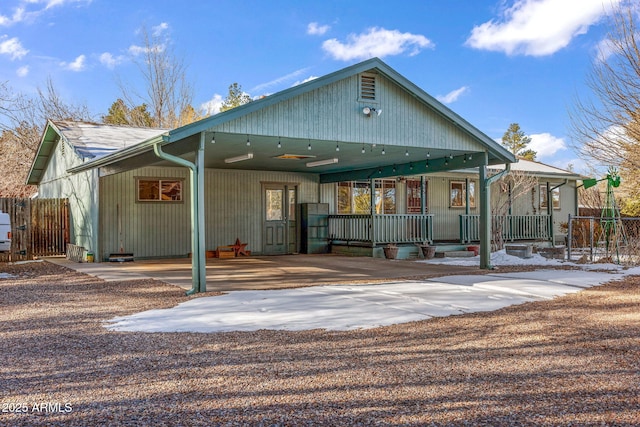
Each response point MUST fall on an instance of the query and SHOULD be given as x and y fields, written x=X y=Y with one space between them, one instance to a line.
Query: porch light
x=247 y=156
x=383 y=153
x=337 y=146
x=450 y=156
x=279 y=143
x=213 y=138
x=428 y=154
x=362 y=148
x=367 y=111
x=309 y=147
x=248 y=142
x=322 y=162
x=406 y=152
x=464 y=159
x=426 y=165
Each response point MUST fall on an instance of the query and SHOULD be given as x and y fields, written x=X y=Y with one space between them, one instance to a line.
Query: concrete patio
x=272 y=272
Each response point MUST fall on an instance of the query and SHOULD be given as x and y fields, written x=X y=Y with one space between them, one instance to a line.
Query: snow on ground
x=348 y=307
x=6 y=276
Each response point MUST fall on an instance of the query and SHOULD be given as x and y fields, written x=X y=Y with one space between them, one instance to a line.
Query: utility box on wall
x=314 y=228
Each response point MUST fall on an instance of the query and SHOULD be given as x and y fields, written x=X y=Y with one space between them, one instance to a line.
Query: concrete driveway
x=272 y=272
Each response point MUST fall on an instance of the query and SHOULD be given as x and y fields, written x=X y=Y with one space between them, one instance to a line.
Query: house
x=316 y=149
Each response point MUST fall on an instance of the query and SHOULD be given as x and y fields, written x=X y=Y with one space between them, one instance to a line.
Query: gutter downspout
x=485 y=211
x=196 y=185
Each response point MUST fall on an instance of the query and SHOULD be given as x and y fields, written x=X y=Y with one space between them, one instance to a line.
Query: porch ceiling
x=352 y=163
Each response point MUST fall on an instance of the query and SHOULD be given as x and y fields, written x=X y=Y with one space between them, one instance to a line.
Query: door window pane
x=274 y=205
x=292 y=204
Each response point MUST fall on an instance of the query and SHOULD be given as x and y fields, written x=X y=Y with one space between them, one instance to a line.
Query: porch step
x=455 y=254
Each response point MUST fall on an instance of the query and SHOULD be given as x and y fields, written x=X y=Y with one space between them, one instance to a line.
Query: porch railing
x=379 y=229
x=514 y=227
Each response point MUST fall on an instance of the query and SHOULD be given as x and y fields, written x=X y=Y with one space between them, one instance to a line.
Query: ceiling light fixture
x=383 y=152
x=337 y=146
x=428 y=154
x=309 y=147
x=406 y=152
x=248 y=142
x=213 y=138
x=322 y=162
x=279 y=143
x=247 y=156
x=363 y=148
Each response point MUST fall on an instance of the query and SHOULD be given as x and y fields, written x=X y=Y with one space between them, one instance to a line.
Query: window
x=159 y=190
x=458 y=194
x=414 y=196
x=555 y=197
x=385 y=196
x=354 y=197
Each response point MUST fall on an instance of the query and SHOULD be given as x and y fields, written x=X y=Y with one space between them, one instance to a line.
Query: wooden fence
x=39 y=227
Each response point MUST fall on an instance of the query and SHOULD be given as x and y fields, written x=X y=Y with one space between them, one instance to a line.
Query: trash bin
x=89 y=256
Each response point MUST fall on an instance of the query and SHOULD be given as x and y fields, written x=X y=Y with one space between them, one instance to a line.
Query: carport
x=364 y=122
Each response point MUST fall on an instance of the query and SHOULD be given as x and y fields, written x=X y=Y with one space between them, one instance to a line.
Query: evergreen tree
x=515 y=140
x=235 y=98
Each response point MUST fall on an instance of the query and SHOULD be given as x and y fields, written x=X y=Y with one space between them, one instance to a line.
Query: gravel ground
x=571 y=361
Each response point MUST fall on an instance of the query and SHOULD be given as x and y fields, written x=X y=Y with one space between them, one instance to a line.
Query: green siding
x=79 y=188
x=233 y=210
x=334 y=113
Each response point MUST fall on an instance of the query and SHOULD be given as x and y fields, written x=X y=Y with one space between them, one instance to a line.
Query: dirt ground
x=574 y=360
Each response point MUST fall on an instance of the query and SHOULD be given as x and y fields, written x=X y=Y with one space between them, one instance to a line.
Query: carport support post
x=485 y=210
x=196 y=175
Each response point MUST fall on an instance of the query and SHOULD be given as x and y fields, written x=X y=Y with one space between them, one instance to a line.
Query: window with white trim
x=555 y=197
x=458 y=194
x=159 y=190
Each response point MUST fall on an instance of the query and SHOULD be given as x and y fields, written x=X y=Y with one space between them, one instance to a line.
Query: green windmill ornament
x=612 y=232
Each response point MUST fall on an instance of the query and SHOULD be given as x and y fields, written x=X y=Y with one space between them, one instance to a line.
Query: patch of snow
x=6 y=276
x=348 y=307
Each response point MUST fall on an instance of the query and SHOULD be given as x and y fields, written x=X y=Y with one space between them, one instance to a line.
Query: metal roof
x=93 y=140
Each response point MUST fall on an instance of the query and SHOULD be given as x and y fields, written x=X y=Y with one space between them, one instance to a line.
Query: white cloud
x=77 y=65
x=110 y=61
x=159 y=29
x=317 y=30
x=18 y=16
x=261 y=87
x=538 y=27
x=22 y=71
x=139 y=50
x=308 y=79
x=546 y=145
x=376 y=42
x=12 y=47
x=212 y=106
x=453 y=95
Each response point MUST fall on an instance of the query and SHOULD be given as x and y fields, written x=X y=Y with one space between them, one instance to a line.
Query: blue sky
x=494 y=62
